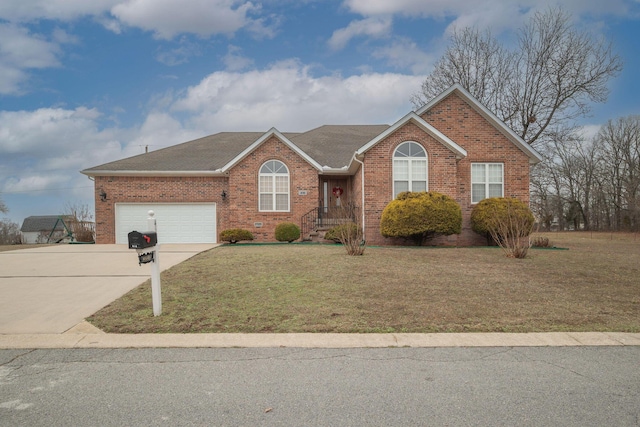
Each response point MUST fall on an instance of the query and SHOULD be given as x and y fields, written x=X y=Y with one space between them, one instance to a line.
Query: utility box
x=147 y=239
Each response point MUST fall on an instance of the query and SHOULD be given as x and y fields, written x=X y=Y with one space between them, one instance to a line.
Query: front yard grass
x=593 y=286
x=6 y=248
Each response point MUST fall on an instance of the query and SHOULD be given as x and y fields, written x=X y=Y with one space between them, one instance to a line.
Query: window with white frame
x=487 y=180
x=273 y=183
x=409 y=168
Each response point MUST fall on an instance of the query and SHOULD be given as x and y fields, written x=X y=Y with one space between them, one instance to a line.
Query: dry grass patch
x=593 y=286
x=5 y=248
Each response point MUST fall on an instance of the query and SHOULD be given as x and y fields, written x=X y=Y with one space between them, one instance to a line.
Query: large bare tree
x=538 y=88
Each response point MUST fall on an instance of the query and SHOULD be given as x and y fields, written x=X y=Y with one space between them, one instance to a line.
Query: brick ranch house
x=452 y=145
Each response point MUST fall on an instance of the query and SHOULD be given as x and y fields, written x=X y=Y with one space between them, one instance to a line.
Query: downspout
x=362 y=184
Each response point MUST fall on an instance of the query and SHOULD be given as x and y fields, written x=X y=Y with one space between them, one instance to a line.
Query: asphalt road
x=506 y=386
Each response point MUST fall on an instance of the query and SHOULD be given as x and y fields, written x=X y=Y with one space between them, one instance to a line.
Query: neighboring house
x=452 y=145
x=38 y=229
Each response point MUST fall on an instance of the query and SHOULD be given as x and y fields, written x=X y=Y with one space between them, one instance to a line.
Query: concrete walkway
x=86 y=336
x=51 y=289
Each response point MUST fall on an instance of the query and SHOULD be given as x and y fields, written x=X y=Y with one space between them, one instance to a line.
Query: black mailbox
x=143 y=240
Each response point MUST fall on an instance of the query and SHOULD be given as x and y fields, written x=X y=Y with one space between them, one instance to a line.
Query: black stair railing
x=322 y=217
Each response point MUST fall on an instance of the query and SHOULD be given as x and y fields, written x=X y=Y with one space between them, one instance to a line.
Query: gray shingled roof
x=334 y=145
x=203 y=154
x=41 y=223
x=331 y=146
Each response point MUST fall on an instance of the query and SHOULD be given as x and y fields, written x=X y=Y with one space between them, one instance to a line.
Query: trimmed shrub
x=233 y=235
x=508 y=222
x=421 y=215
x=287 y=232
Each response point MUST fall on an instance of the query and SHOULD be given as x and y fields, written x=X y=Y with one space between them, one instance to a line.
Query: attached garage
x=177 y=222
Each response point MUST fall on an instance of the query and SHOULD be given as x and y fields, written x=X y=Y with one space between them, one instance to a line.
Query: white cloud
x=11 y=78
x=63 y=10
x=373 y=27
x=290 y=98
x=62 y=37
x=234 y=60
x=494 y=14
x=404 y=53
x=159 y=130
x=167 y=18
x=179 y=55
x=588 y=132
x=45 y=131
x=21 y=50
x=50 y=145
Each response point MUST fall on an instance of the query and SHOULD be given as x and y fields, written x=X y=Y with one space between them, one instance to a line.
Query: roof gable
x=42 y=223
x=261 y=140
x=413 y=117
x=534 y=156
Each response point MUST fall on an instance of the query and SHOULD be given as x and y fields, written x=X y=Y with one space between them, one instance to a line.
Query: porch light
x=103 y=196
x=223 y=195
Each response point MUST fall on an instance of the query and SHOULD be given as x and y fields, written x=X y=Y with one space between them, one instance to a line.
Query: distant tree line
x=591 y=184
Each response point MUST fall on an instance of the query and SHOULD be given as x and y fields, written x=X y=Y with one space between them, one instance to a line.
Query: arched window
x=409 y=168
x=273 y=183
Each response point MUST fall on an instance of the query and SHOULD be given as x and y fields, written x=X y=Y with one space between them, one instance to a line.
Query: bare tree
x=620 y=170
x=9 y=232
x=549 y=80
x=80 y=222
x=3 y=207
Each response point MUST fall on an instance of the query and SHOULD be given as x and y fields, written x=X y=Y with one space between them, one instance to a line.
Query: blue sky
x=87 y=82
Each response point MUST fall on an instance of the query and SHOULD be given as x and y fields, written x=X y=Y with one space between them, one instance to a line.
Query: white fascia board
x=345 y=170
x=216 y=172
x=413 y=117
x=534 y=156
x=271 y=132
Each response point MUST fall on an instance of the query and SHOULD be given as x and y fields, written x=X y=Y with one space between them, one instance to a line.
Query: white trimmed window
x=409 y=168
x=273 y=183
x=487 y=180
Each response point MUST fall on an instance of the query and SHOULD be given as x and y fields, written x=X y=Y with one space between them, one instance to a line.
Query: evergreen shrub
x=233 y=235
x=421 y=215
x=287 y=232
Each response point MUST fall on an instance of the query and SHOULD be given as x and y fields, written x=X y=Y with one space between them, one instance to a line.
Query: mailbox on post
x=146 y=245
x=144 y=240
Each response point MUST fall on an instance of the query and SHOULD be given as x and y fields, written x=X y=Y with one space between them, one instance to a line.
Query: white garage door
x=177 y=222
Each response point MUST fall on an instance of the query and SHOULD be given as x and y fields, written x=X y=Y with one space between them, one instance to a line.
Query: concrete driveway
x=52 y=289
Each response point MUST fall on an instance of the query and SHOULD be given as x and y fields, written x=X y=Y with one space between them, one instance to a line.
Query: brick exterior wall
x=243 y=190
x=170 y=189
x=483 y=143
x=239 y=210
x=446 y=174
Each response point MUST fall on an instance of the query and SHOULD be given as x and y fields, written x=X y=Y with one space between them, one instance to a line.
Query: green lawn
x=593 y=286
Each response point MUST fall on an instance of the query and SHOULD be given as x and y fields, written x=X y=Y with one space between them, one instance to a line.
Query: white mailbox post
x=146 y=244
x=156 y=292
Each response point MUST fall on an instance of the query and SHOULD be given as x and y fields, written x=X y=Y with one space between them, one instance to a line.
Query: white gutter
x=362 y=207
x=217 y=172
